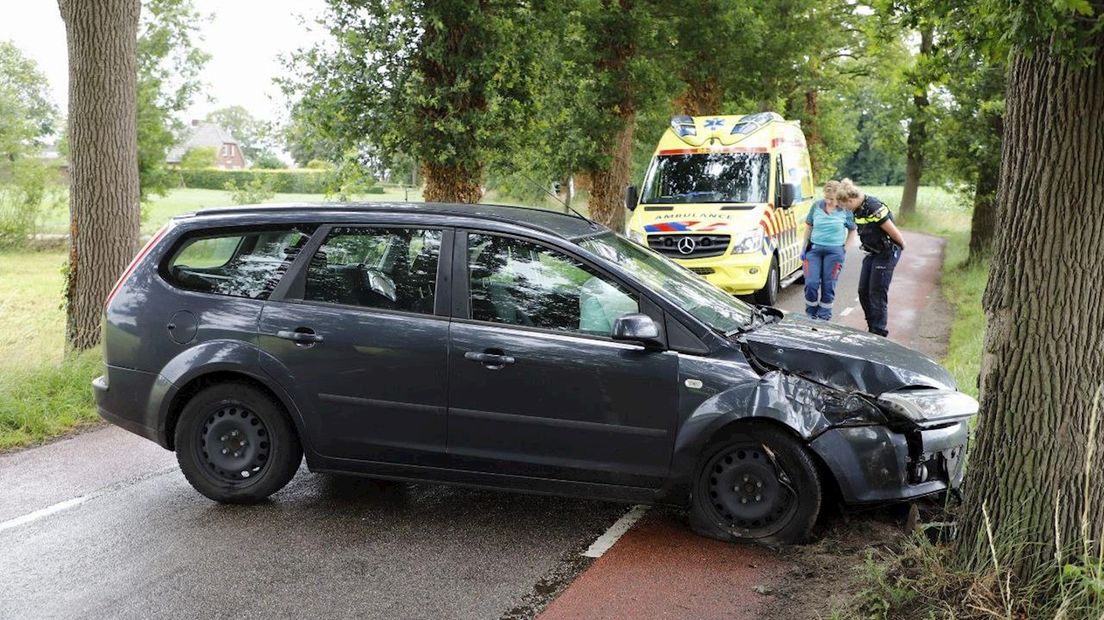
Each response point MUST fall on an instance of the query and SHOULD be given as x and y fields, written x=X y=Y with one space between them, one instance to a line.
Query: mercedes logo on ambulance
x=686 y=245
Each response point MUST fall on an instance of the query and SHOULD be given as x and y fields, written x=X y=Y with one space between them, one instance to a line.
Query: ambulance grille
x=689 y=246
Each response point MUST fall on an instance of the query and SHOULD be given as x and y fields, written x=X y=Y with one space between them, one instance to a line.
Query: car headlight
x=638 y=237
x=929 y=404
x=849 y=410
x=748 y=242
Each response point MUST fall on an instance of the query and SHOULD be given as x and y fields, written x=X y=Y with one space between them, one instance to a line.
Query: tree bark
x=984 y=220
x=1036 y=467
x=701 y=98
x=607 y=186
x=445 y=183
x=103 y=156
x=918 y=132
x=811 y=129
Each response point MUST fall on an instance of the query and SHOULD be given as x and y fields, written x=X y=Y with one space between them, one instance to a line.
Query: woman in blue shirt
x=829 y=228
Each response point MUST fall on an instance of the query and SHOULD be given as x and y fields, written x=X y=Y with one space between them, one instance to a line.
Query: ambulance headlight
x=638 y=237
x=748 y=242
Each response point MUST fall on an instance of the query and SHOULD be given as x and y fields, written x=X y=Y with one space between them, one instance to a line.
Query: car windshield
x=709 y=304
x=708 y=177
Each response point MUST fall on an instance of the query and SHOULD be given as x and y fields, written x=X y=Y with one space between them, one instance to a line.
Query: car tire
x=768 y=295
x=756 y=484
x=235 y=444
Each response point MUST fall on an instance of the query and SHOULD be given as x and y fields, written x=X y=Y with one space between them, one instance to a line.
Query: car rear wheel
x=235 y=444
x=768 y=295
x=757 y=484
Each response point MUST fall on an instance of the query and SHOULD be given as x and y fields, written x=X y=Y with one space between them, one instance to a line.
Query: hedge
x=281 y=181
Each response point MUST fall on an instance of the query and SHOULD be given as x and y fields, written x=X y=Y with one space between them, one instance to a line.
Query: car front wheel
x=757 y=484
x=235 y=444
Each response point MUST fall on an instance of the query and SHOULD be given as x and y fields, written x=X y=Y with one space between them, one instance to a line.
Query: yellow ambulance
x=726 y=197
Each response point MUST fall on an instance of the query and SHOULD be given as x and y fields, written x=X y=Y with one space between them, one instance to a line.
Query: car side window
x=521 y=283
x=238 y=264
x=385 y=268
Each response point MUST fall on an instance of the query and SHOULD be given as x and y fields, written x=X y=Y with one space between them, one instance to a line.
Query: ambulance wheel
x=768 y=295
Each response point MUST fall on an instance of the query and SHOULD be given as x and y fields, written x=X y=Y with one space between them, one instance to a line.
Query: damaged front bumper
x=877 y=464
x=898 y=446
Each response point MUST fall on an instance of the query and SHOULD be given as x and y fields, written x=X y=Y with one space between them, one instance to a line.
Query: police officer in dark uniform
x=883 y=243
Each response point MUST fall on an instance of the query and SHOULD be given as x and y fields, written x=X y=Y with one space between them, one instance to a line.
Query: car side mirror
x=637 y=327
x=631 y=197
x=789 y=195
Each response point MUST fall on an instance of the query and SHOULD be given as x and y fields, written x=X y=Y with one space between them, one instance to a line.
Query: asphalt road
x=129 y=538
x=104 y=525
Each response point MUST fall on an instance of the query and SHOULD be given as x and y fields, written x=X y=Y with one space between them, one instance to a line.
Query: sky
x=245 y=39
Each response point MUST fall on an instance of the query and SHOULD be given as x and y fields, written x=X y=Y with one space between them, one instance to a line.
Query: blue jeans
x=823 y=264
x=877 y=273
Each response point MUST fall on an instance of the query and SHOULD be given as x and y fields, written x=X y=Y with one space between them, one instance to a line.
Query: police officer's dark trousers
x=874 y=279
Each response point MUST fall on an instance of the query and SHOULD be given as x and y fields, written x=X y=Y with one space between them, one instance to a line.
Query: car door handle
x=493 y=361
x=303 y=335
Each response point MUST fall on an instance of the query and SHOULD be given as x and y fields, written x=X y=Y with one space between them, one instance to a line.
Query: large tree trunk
x=444 y=183
x=1036 y=468
x=984 y=221
x=918 y=132
x=103 y=156
x=701 y=98
x=812 y=132
x=607 y=187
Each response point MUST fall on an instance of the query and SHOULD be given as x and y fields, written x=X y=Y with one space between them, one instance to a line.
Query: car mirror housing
x=637 y=327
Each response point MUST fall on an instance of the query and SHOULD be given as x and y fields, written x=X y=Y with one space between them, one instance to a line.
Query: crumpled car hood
x=844 y=358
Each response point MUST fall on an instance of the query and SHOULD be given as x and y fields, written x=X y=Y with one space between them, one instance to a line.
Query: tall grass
x=928 y=581
x=40 y=402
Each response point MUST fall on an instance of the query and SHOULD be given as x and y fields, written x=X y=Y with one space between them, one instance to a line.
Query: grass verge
x=42 y=402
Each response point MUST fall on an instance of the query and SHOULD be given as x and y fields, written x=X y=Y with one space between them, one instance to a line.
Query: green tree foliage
x=441 y=82
x=27 y=116
x=253 y=135
x=27 y=119
x=199 y=158
x=169 y=66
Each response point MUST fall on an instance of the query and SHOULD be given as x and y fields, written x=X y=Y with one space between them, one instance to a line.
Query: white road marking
x=615 y=532
x=45 y=512
x=847 y=310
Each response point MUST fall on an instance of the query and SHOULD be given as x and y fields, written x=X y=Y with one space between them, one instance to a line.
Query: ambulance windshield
x=708 y=177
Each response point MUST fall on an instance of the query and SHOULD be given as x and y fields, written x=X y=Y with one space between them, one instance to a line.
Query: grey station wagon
x=510 y=348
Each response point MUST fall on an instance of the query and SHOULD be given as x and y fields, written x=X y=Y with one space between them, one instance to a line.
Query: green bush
x=280 y=181
x=254 y=192
x=199 y=157
x=28 y=195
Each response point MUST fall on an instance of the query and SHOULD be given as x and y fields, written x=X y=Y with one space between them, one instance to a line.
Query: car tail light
x=134 y=263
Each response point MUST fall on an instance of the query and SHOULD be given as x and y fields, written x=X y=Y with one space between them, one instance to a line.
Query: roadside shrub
x=279 y=181
x=30 y=194
x=255 y=191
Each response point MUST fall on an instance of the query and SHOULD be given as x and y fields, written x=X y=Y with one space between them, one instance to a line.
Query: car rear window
x=240 y=263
